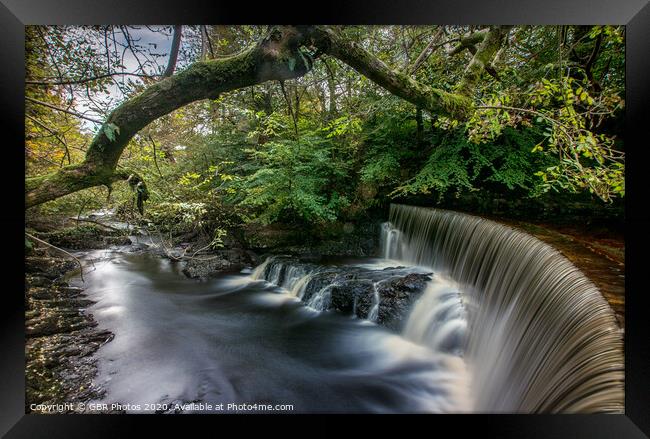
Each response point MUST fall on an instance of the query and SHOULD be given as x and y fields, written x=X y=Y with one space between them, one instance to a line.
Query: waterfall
x=293 y=278
x=537 y=335
x=260 y=270
x=321 y=300
x=372 y=292
x=389 y=241
x=374 y=311
x=300 y=285
x=439 y=319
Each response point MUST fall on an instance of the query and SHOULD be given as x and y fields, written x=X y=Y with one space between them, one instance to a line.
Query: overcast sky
x=157 y=41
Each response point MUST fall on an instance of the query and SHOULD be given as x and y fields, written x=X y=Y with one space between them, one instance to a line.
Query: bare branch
x=44 y=82
x=62 y=251
x=424 y=55
x=173 y=54
x=63 y=110
x=54 y=133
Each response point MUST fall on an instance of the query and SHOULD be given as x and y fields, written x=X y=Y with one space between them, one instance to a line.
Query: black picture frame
x=635 y=14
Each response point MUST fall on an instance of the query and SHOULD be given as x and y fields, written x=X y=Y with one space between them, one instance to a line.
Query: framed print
x=434 y=210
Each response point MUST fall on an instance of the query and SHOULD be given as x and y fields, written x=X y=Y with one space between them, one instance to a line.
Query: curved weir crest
x=538 y=336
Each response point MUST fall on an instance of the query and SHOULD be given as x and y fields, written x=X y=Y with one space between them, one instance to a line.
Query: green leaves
x=217 y=239
x=342 y=126
x=295 y=180
x=459 y=165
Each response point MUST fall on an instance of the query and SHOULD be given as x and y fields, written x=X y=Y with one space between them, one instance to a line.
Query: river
x=462 y=314
x=235 y=340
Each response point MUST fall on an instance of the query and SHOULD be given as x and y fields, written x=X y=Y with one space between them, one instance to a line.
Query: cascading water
x=377 y=291
x=389 y=241
x=300 y=285
x=320 y=301
x=537 y=335
x=356 y=289
x=293 y=278
x=374 y=311
x=439 y=319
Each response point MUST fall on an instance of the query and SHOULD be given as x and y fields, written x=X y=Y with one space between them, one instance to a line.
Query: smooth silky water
x=506 y=324
x=237 y=339
x=538 y=335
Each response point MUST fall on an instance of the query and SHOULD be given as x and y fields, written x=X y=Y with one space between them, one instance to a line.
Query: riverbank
x=60 y=337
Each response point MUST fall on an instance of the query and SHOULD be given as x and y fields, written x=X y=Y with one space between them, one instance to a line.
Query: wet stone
x=61 y=337
x=350 y=289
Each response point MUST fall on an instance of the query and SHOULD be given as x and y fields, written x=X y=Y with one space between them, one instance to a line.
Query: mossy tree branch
x=482 y=59
x=428 y=98
x=469 y=42
x=278 y=56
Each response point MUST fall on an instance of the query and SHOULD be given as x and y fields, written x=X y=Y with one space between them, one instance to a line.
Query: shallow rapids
x=237 y=340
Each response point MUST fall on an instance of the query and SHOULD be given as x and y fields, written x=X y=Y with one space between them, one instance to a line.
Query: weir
x=540 y=336
x=535 y=334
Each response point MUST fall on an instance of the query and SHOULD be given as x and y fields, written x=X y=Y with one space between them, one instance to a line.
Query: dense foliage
x=332 y=144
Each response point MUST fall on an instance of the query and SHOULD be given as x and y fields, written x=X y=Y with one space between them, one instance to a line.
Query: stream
x=237 y=340
x=461 y=314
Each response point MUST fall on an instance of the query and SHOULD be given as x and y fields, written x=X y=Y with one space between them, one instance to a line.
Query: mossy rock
x=84 y=237
x=272 y=237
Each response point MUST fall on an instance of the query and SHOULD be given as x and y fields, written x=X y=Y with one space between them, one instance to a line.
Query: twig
x=155 y=159
x=90 y=79
x=81 y=270
x=54 y=107
x=522 y=110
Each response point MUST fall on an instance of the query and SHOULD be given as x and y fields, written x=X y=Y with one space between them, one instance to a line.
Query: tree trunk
x=331 y=89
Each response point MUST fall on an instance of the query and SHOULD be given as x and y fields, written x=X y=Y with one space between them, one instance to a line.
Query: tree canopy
x=318 y=123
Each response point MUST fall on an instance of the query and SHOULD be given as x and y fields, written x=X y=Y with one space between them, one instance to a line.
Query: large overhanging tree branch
x=278 y=56
x=434 y=100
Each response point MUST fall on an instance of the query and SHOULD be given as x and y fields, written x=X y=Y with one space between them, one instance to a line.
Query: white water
x=374 y=311
x=536 y=334
x=439 y=319
x=234 y=340
x=441 y=304
x=320 y=300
